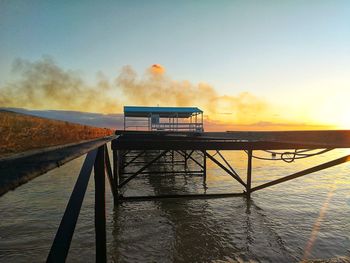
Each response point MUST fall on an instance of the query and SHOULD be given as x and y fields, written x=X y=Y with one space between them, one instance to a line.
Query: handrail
x=63 y=238
x=99 y=160
x=20 y=170
x=24 y=168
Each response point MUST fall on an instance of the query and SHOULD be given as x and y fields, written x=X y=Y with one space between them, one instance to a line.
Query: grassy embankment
x=20 y=133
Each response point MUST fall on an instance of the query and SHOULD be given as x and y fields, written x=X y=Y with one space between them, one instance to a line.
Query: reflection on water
x=307 y=217
x=204 y=230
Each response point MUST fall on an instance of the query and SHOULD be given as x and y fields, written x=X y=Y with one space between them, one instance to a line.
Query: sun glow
x=344 y=121
x=335 y=111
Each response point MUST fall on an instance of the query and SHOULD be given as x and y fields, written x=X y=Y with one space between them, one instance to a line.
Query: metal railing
x=98 y=160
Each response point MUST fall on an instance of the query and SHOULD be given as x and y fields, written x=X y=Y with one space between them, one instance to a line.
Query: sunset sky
x=292 y=58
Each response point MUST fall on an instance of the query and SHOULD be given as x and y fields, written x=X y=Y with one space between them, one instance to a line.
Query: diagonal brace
x=225 y=169
x=222 y=157
x=109 y=173
x=142 y=169
x=133 y=159
x=60 y=246
x=190 y=157
x=304 y=172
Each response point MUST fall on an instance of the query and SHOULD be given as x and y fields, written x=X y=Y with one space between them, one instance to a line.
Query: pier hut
x=163 y=118
x=155 y=120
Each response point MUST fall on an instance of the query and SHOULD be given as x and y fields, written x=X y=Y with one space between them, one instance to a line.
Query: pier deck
x=235 y=140
x=186 y=145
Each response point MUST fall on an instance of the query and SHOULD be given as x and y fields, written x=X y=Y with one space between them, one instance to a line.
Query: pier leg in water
x=249 y=173
x=205 y=171
x=172 y=158
x=116 y=172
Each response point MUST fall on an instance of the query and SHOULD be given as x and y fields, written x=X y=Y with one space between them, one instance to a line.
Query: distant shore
x=21 y=133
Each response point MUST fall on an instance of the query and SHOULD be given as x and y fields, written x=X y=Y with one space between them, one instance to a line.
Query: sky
x=292 y=55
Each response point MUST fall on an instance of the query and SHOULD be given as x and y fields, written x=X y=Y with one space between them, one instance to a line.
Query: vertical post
x=195 y=126
x=122 y=155
x=116 y=171
x=204 y=169
x=202 y=124
x=100 y=209
x=185 y=163
x=124 y=121
x=177 y=122
x=249 y=173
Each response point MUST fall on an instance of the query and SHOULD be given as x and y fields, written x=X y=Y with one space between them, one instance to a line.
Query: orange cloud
x=157 y=69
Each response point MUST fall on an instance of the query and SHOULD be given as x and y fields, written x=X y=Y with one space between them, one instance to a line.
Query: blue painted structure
x=164 y=112
x=163 y=118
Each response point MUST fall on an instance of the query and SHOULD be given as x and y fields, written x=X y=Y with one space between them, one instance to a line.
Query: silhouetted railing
x=98 y=160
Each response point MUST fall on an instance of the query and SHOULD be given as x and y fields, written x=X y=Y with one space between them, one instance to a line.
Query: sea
x=305 y=218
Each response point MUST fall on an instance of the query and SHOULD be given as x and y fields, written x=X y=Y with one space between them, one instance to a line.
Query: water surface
x=304 y=218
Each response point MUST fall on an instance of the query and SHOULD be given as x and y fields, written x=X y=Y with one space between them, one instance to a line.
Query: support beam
x=180 y=196
x=190 y=157
x=100 y=206
x=125 y=152
x=187 y=156
x=60 y=246
x=133 y=159
x=179 y=162
x=249 y=173
x=116 y=171
x=225 y=169
x=204 y=171
x=227 y=163
x=142 y=169
x=167 y=172
x=304 y=172
x=110 y=176
x=202 y=128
